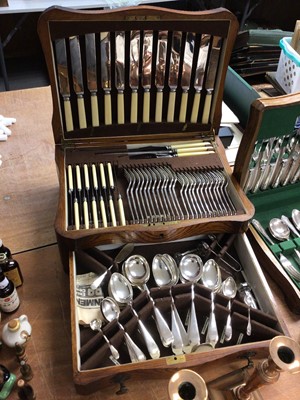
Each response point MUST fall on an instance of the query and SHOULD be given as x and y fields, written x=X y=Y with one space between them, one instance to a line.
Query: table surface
x=25 y=6
x=28 y=199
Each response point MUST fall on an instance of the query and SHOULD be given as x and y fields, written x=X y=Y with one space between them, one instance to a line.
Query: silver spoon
x=229 y=289
x=111 y=311
x=279 y=229
x=137 y=271
x=120 y=257
x=211 y=279
x=296 y=218
x=96 y=325
x=290 y=225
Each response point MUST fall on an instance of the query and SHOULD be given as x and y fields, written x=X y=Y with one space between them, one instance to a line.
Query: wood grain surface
x=28 y=200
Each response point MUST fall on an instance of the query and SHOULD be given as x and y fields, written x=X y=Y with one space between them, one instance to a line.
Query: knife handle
x=195 y=109
x=68 y=115
x=194 y=153
x=70 y=178
x=171 y=106
x=158 y=106
x=103 y=213
x=206 y=110
x=76 y=215
x=121 y=211
x=193 y=150
x=81 y=112
x=95 y=213
x=107 y=108
x=95 y=109
x=134 y=107
x=183 y=107
x=146 y=109
x=86 y=214
x=121 y=119
x=112 y=212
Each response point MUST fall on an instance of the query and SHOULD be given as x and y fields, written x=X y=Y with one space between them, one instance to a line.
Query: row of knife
x=152 y=66
x=153 y=193
x=274 y=162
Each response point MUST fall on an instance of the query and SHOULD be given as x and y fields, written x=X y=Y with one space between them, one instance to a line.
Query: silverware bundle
x=159 y=194
x=275 y=162
x=158 y=69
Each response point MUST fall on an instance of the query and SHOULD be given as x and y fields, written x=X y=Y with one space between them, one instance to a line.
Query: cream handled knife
x=77 y=78
x=63 y=80
x=91 y=70
x=146 y=73
x=106 y=75
x=186 y=74
x=173 y=73
x=120 y=74
x=134 y=74
x=160 y=73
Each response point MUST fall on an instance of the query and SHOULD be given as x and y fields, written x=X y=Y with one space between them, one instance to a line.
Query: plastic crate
x=288 y=70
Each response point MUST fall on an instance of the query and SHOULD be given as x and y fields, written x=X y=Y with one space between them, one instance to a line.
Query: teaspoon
x=96 y=325
x=229 y=289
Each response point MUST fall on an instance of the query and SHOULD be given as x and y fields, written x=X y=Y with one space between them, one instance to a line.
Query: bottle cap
x=21 y=383
x=14 y=325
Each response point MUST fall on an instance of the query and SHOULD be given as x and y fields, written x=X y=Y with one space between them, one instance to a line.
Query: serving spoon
x=279 y=229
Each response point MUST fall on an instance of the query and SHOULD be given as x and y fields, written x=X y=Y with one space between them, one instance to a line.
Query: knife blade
x=186 y=74
x=91 y=70
x=173 y=73
x=134 y=74
x=106 y=75
x=77 y=78
x=211 y=77
x=63 y=80
x=120 y=74
x=199 y=76
x=160 y=73
x=146 y=73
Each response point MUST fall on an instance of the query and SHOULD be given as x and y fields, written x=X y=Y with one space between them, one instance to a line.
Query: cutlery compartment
x=90 y=351
x=267 y=167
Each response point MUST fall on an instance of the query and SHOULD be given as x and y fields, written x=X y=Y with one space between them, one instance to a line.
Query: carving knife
x=160 y=73
x=173 y=73
x=186 y=74
x=199 y=76
x=106 y=75
x=134 y=74
x=211 y=77
x=77 y=78
x=146 y=73
x=63 y=80
x=120 y=74
x=91 y=71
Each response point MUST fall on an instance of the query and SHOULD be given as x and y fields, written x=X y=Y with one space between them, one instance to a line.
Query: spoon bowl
x=120 y=289
x=191 y=268
x=136 y=269
x=296 y=218
x=161 y=271
x=279 y=229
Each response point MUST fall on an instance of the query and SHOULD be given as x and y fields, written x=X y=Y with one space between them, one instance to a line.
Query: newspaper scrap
x=87 y=300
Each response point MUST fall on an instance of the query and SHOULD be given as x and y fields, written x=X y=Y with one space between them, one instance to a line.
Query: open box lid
x=136 y=73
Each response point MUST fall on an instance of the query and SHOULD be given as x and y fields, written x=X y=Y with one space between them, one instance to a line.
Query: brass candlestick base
x=284 y=356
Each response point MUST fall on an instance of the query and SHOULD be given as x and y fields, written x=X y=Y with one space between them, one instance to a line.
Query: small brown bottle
x=4 y=249
x=9 y=299
x=11 y=269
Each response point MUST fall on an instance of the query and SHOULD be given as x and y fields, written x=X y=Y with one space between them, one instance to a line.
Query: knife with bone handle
x=146 y=73
x=173 y=73
x=134 y=55
x=160 y=70
x=199 y=75
x=111 y=187
x=106 y=75
x=91 y=71
x=77 y=78
x=63 y=80
x=120 y=74
x=213 y=65
x=186 y=74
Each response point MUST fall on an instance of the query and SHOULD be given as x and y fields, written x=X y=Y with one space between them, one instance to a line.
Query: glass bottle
x=9 y=299
x=4 y=249
x=7 y=381
x=11 y=269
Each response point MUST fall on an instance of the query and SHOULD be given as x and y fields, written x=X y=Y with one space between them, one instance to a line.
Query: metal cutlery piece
x=290 y=225
x=186 y=73
x=173 y=73
x=134 y=74
x=199 y=75
x=78 y=85
x=91 y=71
x=120 y=74
x=106 y=75
x=146 y=73
x=161 y=58
x=213 y=65
x=63 y=80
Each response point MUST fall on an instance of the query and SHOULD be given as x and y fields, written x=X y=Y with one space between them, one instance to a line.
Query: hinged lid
x=135 y=73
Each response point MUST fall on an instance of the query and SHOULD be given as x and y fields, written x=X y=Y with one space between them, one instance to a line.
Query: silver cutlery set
x=183 y=337
x=275 y=162
x=154 y=193
x=280 y=229
x=155 y=76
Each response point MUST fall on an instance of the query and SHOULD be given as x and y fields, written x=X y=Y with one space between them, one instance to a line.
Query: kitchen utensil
x=63 y=80
x=162 y=44
x=229 y=289
x=173 y=73
x=296 y=218
x=134 y=74
x=120 y=74
x=91 y=71
x=106 y=75
x=120 y=257
x=186 y=73
x=96 y=325
x=290 y=225
x=146 y=73
x=279 y=229
x=78 y=79
x=213 y=65
x=191 y=268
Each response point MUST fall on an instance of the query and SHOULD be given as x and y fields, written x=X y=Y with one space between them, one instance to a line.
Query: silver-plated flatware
x=186 y=73
x=160 y=69
x=105 y=48
x=120 y=74
x=173 y=73
x=146 y=73
x=134 y=73
x=91 y=71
